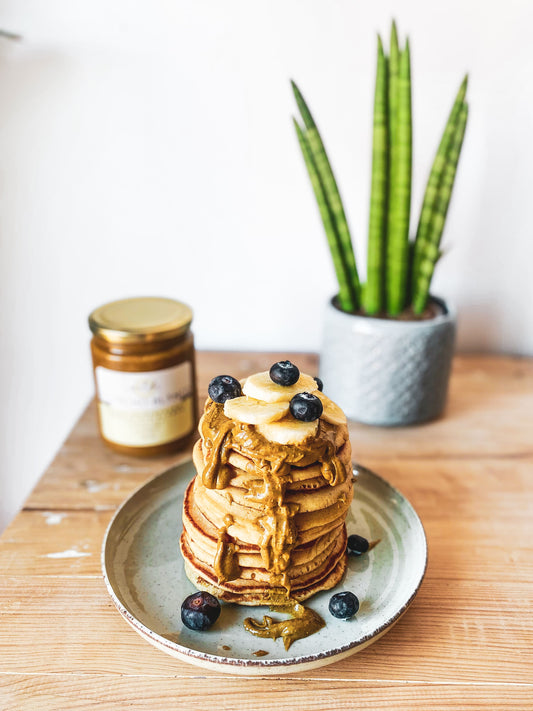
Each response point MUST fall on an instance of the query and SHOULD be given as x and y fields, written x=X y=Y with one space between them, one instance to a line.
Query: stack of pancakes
x=264 y=522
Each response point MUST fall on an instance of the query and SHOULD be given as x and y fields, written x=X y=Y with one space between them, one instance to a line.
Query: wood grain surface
x=466 y=641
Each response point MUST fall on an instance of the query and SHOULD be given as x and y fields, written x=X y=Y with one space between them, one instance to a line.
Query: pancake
x=264 y=517
x=251 y=592
x=252 y=598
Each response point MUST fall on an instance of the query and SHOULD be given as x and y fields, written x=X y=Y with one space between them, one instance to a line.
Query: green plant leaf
x=399 y=190
x=346 y=296
x=373 y=294
x=435 y=180
x=331 y=196
x=429 y=250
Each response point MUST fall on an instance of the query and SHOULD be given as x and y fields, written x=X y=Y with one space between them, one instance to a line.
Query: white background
x=146 y=147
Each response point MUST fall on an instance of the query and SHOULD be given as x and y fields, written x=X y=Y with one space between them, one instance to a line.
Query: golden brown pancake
x=250 y=592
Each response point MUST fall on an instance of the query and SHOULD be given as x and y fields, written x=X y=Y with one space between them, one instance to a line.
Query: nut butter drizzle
x=304 y=622
x=221 y=436
x=225 y=564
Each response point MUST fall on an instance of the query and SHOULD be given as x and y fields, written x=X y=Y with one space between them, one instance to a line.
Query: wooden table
x=466 y=641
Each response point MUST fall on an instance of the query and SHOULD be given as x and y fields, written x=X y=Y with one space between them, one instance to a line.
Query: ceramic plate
x=144 y=574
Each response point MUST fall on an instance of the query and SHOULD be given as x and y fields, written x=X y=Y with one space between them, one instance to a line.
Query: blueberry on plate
x=224 y=387
x=344 y=605
x=319 y=383
x=199 y=611
x=357 y=545
x=284 y=373
x=306 y=407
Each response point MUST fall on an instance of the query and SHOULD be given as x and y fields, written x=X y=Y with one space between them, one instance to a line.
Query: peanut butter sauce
x=221 y=436
x=304 y=622
x=225 y=564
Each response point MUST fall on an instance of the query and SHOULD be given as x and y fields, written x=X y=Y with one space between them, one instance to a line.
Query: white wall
x=146 y=147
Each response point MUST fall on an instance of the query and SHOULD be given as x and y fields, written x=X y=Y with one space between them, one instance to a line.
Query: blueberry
x=224 y=387
x=319 y=383
x=306 y=407
x=344 y=605
x=284 y=373
x=357 y=545
x=199 y=611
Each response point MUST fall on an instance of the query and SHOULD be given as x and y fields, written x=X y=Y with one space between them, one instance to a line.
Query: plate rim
x=174 y=648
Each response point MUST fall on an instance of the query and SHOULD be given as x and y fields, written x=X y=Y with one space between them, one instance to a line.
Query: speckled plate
x=144 y=574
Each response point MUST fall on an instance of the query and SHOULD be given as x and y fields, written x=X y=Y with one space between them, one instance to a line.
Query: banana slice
x=332 y=412
x=254 y=412
x=288 y=431
x=261 y=387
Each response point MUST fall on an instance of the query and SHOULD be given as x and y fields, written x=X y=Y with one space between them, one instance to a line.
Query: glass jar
x=144 y=374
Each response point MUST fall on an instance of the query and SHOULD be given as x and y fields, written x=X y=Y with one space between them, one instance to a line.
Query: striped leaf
x=400 y=191
x=429 y=249
x=332 y=195
x=435 y=179
x=373 y=294
x=345 y=297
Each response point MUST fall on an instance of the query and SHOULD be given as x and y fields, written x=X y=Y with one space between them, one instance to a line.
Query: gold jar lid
x=140 y=320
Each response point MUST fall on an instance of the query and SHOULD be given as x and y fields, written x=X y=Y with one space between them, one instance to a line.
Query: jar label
x=145 y=409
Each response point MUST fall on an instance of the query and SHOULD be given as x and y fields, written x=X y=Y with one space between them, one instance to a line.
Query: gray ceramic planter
x=385 y=372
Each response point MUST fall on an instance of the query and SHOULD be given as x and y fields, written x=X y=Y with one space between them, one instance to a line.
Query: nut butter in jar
x=144 y=373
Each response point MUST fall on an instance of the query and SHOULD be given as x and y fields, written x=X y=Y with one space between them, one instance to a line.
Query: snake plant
x=399 y=270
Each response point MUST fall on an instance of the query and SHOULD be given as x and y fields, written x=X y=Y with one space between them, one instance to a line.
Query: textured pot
x=386 y=372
